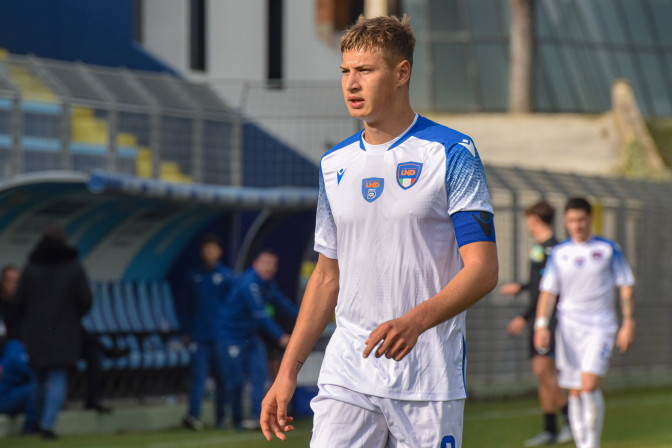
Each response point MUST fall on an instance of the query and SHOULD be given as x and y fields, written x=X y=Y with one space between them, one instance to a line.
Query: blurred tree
x=521 y=56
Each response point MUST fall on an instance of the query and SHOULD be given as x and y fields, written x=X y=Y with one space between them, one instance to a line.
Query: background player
x=202 y=311
x=539 y=223
x=246 y=317
x=585 y=271
x=405 y=238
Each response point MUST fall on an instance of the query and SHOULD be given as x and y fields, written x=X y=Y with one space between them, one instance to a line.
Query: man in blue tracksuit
x=16 y=384
x=246 y=315
x=201 y=311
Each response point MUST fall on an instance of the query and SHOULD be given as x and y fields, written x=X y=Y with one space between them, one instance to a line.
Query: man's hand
x=274 y=419
x=510 y=289
x=516 y=326
x=625 y=335
x=398 y=335
x=542 y=340
x=284 y=340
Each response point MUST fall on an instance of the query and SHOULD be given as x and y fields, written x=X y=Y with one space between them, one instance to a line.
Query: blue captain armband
x=473 y=226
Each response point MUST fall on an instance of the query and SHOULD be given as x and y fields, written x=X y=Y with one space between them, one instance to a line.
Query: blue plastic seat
x=107 y=309
x=145 y=308
x=130 y=296
x=120 y=308
x=157 y=309
x=168 y=304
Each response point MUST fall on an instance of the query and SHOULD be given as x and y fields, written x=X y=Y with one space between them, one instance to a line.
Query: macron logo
x=469 y=145
x=340 y=174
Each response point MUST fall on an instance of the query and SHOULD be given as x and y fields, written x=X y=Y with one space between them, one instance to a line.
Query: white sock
x=593 y=416
x=576 y=420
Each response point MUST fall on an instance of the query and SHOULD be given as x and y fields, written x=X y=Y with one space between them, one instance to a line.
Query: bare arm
x=627 y=331
x=317 y=308
x=476 y=279
x=545 y=306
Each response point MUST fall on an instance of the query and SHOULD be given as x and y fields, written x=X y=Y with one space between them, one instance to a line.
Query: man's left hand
x=625 y=335
x=398 y=337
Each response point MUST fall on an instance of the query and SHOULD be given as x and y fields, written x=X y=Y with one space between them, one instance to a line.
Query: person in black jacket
x=52 y=296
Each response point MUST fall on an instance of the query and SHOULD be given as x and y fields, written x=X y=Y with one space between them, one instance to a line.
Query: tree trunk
x=521 y=56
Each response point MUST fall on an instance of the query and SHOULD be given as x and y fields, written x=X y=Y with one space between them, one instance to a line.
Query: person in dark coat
x=52 y=296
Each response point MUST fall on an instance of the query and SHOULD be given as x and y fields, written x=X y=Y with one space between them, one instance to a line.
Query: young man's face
x=532 y=222
x=578 y=223
x=368 y=83
x=9 y=283
x=211 y=253
x=266 y=266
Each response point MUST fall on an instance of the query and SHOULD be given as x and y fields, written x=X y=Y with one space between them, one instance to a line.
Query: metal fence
x=636 y=214
x=57 y=115
x=71 y=116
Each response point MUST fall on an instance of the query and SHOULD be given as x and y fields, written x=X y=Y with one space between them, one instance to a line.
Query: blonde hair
x=392 y=37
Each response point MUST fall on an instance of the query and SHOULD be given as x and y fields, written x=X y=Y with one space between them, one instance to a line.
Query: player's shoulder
x=431 y=131
x=566 y=244
x=349 y=143
x=602 y=240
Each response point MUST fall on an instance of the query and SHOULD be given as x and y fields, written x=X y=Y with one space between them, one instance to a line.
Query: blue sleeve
x=466 y=185
x=256 y=306
x=473 y=226
x=325 y=226
x=282 y=303
x=229 y=284
x=620 y=268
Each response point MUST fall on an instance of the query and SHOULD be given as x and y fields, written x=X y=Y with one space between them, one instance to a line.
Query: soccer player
x=406 y=244
x=246 y=316
x=539 y=222
x=202 y=304
x=585 y=271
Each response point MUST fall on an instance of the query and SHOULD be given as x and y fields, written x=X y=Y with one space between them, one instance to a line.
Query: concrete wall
x=236 y=40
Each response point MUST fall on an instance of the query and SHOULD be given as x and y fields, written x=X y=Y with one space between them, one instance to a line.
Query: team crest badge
x=372 y=188
x=408 y=174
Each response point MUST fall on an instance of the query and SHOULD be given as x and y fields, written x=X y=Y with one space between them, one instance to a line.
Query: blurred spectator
x=201 y=309
x=539 y=222
x=247 y=314
x=16 y=383
x=52 y=296
x=9 y=280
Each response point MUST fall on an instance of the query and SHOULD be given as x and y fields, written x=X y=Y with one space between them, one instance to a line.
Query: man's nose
x=351 y=81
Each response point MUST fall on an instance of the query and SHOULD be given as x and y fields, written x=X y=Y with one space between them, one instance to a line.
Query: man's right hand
x=510 y=289
x=542 y=339
x=274 y=419
x=516 y=326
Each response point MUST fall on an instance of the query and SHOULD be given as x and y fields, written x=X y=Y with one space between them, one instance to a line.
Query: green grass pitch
x=635 y=418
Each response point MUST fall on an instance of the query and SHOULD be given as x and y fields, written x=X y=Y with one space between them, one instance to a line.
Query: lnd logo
x=372 y=188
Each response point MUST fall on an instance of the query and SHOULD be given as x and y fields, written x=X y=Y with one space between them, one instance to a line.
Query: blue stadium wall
x=94 y=32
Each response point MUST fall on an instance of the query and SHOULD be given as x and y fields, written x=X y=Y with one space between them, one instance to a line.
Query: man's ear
x=403 y=72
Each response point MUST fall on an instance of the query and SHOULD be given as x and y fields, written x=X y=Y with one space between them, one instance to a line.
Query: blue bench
x=140 y=317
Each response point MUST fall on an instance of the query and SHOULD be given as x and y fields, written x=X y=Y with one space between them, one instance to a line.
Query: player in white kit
x=406 y=244
x=585 y=271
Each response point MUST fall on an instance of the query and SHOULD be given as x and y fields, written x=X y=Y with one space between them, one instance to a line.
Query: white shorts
x=581 y=349
x=348 y=419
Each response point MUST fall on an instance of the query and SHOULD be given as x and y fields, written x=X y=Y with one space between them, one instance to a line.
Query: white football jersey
x=384 y=211
x=586 y=276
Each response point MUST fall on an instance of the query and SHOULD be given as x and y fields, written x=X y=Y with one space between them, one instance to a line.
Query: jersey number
x=448 y=442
